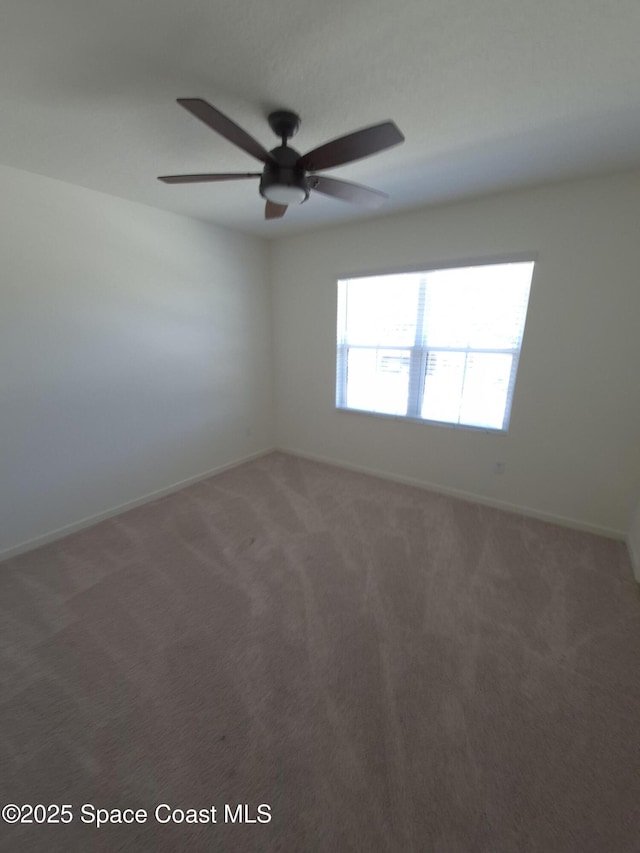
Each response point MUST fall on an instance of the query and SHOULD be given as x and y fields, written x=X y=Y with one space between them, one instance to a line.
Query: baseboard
x=90 y=520
x=634 y=557
x=574 y=523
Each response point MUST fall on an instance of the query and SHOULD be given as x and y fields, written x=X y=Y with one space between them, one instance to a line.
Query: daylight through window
x=440 y=345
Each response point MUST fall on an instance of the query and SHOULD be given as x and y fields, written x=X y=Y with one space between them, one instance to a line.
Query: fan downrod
x=284 y=124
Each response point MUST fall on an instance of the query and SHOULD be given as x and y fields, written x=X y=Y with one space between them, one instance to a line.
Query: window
x=440 y=345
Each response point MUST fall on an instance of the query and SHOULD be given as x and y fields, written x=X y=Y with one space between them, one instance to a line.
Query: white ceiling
x=489 y=95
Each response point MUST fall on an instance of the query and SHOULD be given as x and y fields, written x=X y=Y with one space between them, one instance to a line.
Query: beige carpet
x=385 y=668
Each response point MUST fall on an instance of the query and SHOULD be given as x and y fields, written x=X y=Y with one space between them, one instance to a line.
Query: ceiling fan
x=288 y=177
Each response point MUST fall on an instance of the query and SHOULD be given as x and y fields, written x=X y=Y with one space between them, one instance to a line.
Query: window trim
x=419 y=353
x=448 y=264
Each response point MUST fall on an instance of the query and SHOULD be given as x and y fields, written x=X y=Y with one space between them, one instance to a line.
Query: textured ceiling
x=489 y=95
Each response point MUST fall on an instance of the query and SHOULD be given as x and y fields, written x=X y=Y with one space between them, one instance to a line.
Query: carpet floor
x=358 y=665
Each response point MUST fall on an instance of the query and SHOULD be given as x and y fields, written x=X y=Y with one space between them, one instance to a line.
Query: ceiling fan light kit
x=287 y=176
x=278 y=190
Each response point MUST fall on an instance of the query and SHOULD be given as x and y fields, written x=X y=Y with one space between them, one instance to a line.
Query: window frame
x=419 y=354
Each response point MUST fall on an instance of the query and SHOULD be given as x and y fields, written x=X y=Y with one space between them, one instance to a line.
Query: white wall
x=134 y=353
x=633 y=541
x=572 y=448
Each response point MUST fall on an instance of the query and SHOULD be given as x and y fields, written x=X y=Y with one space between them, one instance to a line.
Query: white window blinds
x=439 y=345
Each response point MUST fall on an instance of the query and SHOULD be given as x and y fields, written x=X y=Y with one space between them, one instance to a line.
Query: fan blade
x=214 y=119
x=355 y=145
x=274 y=211
x=355 y=193
x=195 y=179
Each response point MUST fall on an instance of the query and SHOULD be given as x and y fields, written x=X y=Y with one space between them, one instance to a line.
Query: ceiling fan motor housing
x=283 y=172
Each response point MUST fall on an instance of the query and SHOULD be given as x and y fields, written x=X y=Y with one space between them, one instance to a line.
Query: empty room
x=320 y=426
